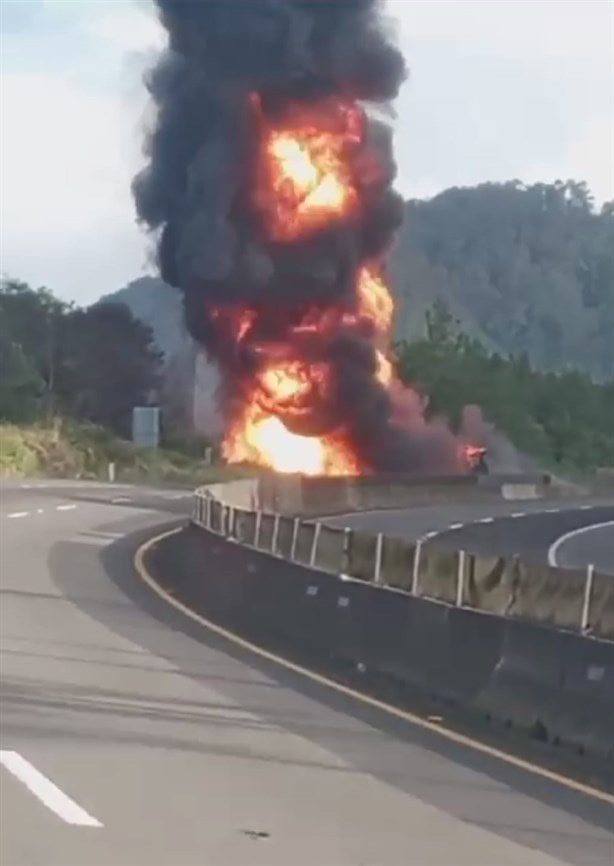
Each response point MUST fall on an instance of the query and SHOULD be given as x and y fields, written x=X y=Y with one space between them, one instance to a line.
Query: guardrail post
x=230 y=525
x=415 y=575
x=345 y=553
x=460 y=579
x=275 y=534
x=314 y=543
x=295 y=529
x=208 y=512
x=377 y=565
x=257 y=528
x=586 y=603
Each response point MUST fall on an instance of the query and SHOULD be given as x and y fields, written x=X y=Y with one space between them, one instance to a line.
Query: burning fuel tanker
x=269 y=189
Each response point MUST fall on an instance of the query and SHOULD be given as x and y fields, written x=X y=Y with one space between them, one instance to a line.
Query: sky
x=498 y=90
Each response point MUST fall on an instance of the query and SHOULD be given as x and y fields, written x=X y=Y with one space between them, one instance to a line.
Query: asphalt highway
x=131 y=737
x=572 y=534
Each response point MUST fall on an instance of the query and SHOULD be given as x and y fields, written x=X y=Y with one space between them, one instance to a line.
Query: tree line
x=528 y=269
x=564 y=419
x=91 y=364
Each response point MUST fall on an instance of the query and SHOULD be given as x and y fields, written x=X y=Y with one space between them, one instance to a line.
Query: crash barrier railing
x=307 y=495
x=580 y=600
x=553 y=685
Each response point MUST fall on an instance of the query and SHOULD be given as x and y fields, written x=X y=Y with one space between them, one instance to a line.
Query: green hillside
x=525 y=269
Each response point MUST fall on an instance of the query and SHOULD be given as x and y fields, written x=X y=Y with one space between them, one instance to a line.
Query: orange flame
x=262 y=439
x=375 y=301
x=305 y=180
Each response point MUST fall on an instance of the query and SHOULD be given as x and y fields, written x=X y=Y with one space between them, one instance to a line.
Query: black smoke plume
x=211 y=245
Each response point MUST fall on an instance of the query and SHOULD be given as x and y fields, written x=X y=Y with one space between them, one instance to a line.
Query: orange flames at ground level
x=306 y=181
x=262 y=439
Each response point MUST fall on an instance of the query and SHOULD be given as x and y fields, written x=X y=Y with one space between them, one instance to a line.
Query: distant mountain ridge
x=525 y=269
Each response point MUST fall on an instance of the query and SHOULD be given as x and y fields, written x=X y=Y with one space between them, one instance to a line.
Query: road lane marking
x=431 y=534
x=419 y=721
x=65 y=507
x=15 y=514
x=40 y=510
x=554 y=548
x=487 y=520
x=119 y=499
x=456 y=526
x=519 y=514
x=44 y=789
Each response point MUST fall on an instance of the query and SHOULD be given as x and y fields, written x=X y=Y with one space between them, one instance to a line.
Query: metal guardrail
x=576 y=600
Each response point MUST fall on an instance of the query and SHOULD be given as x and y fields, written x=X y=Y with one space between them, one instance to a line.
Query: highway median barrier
x=600 y=607
x=398 y=557
x=437 y=573
x=330 y=549
x=361 y=555
x=526 y=646
x=304 y=542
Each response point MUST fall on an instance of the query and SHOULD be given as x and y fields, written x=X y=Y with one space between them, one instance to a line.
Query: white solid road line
x=15 y=514
x=554 y=548
x=44 y=789
x=65 y=507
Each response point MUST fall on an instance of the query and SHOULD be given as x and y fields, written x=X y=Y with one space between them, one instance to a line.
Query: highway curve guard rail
x=529 y=647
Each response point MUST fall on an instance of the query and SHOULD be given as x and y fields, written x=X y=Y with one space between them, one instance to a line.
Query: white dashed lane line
x=456 y=526
x=120 y=499
x=46 y=791
x=487 y=520
x=65 y=507
x=15 y=514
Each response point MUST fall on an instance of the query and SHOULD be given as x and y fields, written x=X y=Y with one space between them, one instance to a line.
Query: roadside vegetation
x=71 y=449
x=69 y=378
x=564 y=419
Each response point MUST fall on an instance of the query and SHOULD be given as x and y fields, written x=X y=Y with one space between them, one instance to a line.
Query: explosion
x=271 y=189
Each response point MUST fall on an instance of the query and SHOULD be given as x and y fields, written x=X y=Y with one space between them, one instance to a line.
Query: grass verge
x=68 y=449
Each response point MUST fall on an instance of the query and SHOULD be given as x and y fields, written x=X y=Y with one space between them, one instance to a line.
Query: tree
x=110 y=365
x=31 y=320
x=564 y=419
x=527 y=269
x=21 y=387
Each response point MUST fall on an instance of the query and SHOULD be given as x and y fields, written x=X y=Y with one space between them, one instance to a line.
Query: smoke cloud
x=231 y=66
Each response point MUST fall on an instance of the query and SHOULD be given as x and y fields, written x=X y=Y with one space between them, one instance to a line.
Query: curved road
x=131 y=737
x=571 y=534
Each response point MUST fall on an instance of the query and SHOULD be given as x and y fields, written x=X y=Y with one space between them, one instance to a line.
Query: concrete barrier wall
x=571 y=599
x=547 y=684
x=578 y=600
x=292 y=494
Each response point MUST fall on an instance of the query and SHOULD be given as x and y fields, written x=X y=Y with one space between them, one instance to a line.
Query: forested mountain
x=159 y=306
x=526 y=269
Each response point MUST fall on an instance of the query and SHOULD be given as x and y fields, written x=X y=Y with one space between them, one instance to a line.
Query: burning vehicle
x=269 y=189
